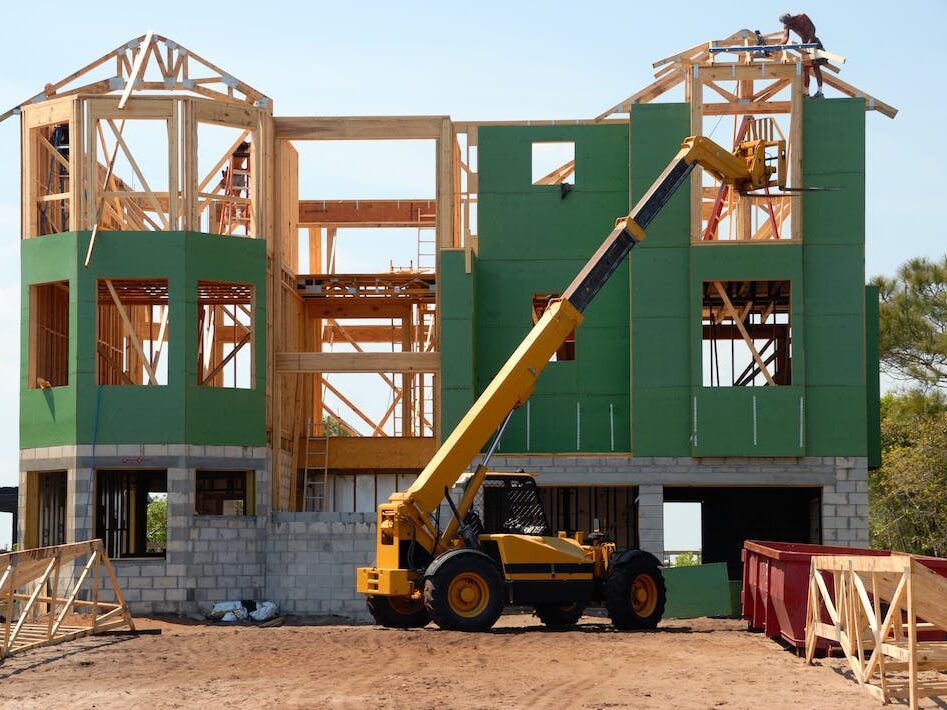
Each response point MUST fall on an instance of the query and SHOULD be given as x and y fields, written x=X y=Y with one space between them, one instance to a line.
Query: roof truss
x=672 y=70
x=150 y=62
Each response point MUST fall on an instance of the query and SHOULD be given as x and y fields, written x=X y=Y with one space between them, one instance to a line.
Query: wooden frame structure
x=321 y=321
x=873 y=608
x=763 y=91
x=82 y=170
x=39 y=611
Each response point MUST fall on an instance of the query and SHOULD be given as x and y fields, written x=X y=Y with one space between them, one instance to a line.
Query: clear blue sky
x=486 y=60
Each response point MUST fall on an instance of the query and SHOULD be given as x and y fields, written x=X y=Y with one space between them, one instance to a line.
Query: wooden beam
x=367 y=213
x=871 y=103
x=130 y=331
x=754 y=107
x=357 y=362
x=143 y=50
x=445 y=185
x=365 y=128
x=336 y=308
x=364 y=452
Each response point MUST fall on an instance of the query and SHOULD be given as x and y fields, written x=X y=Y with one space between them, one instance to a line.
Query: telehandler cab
x=462 y=576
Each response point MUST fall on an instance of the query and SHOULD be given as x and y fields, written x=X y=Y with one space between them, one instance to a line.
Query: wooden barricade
x=873 y=605
x=36 y=614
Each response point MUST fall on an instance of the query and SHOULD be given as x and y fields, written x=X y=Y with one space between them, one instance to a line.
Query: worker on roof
x=805 y=28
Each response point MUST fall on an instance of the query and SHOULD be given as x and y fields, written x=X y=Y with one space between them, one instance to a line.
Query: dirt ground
x=698 y=663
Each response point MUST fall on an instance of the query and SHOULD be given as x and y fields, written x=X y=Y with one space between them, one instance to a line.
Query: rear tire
x=465 y=593
x=557 y=616
x=398 y=612
x=635 y=595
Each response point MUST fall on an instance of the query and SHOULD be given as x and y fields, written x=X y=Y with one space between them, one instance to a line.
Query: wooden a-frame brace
x=39 y=618
x=878 y=642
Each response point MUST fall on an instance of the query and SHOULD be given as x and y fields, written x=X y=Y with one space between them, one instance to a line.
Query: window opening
x=746 y=333
x=225 y=334
x=49 y=335
x=131 y=512
x=132 y=332
x=224 y=493
x=553 y=163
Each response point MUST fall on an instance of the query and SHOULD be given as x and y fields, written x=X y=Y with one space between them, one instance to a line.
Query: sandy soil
x=699 y=663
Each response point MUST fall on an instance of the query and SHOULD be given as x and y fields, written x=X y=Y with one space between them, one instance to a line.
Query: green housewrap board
x=533 y=240
x=698 y=590
x=181 y=411
x=636 y=382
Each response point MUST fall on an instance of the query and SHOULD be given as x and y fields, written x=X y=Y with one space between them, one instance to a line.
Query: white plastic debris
x=228 y=611
x=264 y=611
x=242 y=610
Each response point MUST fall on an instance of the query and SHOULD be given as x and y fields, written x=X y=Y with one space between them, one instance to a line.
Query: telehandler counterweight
x=463 y=575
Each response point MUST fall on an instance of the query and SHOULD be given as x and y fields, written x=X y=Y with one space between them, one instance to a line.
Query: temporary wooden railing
x=873 y=605
x=36 y=614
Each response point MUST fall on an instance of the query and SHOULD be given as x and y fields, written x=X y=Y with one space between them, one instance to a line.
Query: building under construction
x=204 y=390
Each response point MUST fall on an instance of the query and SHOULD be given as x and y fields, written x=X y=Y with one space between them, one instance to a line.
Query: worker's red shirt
x=802 y=26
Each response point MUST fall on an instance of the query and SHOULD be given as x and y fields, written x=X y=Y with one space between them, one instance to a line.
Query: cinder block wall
x=311 y=560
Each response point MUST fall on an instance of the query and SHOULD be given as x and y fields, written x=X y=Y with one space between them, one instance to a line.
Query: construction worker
x=805 y=28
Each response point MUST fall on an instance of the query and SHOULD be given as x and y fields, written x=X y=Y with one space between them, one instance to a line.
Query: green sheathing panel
x=215 y=258
x=873 y=374
x=47 y=417
x=749 y=421
x=179 y=412
x=836 y=418
x=532 y=240
x=658 y=267
x=456 y=307
x=700 y=590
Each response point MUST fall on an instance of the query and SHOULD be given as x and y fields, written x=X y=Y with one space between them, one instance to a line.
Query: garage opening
x=731 y=515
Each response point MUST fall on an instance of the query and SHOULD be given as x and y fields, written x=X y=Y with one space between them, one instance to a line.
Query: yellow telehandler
x=462 y=576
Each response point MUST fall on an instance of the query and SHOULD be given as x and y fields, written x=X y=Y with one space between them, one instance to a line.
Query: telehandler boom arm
x=514 y=383
x=407 y=521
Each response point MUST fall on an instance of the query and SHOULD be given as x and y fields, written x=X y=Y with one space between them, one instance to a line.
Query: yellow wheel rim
x=405 y=605
x=644 y=595
x=468 y=594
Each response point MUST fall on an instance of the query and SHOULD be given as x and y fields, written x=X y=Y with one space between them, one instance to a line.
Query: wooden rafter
x=710 y=66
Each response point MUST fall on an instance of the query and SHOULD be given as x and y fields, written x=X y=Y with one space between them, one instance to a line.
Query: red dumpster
x=776 y=585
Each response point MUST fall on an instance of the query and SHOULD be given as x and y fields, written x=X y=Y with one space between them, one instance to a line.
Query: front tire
x=465 y=593
x=557 y=616
x=398 y=612
x=635 y=595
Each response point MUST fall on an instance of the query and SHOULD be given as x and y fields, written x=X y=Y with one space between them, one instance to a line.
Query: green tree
x=908 y=494
x=686 y=559
x=157 y=532
x=333 y=427
x=912 y=322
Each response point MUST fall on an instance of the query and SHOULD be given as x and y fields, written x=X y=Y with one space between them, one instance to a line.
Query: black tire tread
x=435 y=593
x=385 y=615
x=560 y=615
x=618 y=590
